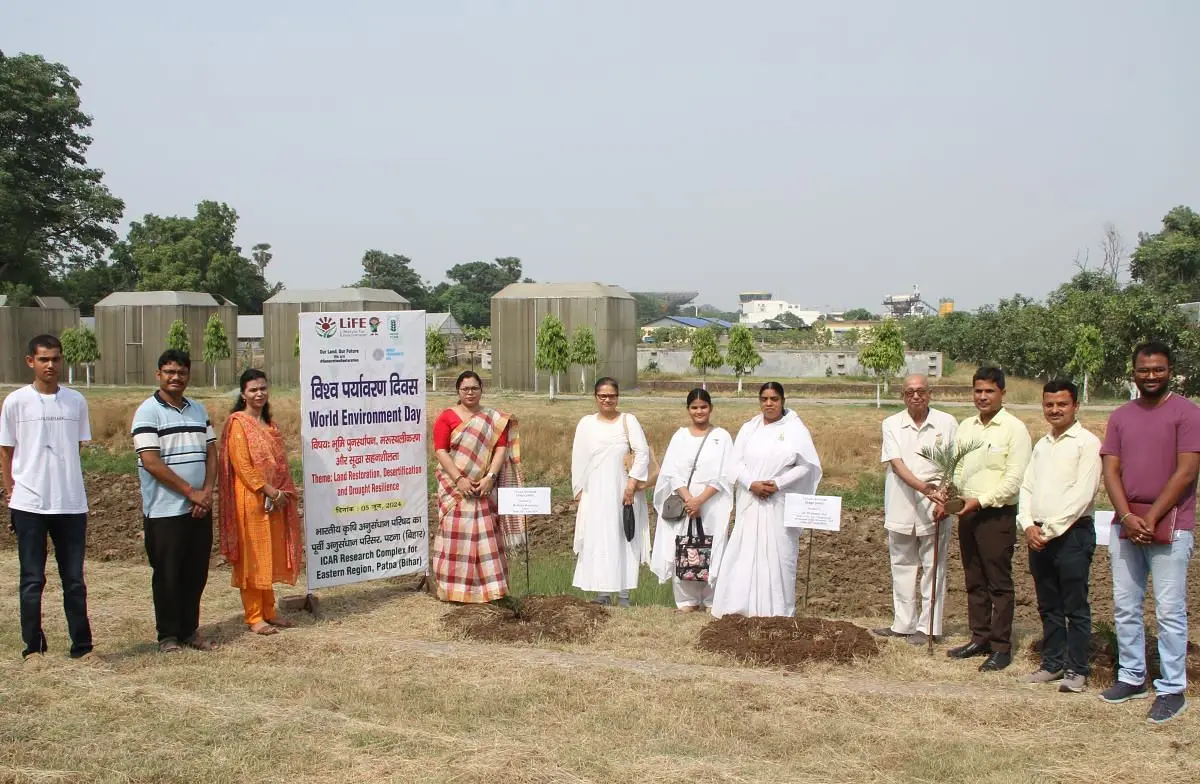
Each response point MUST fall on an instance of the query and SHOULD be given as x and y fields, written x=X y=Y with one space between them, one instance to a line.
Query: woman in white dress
x=607 y=563
x=696 y=453
x=754 y=572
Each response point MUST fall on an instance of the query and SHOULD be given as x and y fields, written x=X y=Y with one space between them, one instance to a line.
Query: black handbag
x=673 y=509
x=628 y=521
x=692 y=553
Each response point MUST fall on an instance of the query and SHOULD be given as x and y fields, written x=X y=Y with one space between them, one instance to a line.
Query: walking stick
x=808 y=569
x=933 y=590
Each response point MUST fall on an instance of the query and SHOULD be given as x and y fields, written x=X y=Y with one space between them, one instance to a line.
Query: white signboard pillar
x=362 y=405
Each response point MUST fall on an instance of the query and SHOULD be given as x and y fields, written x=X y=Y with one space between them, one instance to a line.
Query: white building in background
x=755 y=308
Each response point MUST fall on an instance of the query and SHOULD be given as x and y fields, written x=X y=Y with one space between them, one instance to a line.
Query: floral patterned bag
x=692 y=551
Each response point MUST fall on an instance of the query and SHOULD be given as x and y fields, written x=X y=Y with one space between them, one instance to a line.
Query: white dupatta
x=783 y=451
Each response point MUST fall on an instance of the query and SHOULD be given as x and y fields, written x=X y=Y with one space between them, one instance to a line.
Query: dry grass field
x=375 y=689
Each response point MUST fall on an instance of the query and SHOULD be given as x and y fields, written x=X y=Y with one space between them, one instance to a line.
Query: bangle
x=1124 y=516
x=460 y=478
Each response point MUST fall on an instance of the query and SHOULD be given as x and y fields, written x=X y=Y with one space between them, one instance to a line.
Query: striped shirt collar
x=162 y=401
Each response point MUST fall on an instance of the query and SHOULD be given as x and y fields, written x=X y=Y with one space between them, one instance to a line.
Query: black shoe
x=887 y=631
x=996 y=662
x=969 y=650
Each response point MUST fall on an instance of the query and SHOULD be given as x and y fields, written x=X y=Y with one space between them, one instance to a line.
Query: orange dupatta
x=268 y=455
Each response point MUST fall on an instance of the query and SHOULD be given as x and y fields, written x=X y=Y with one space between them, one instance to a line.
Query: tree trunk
x=877 y=402
x=214 y=374
x=1085 y=387
x=551 y=387
x=70 y=375
x=739 y=386
x=88 y=369
x=703 y=380
x=582 y=380
x=434 y=377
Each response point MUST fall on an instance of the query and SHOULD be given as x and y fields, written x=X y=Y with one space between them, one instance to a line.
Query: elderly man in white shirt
x=909 y=514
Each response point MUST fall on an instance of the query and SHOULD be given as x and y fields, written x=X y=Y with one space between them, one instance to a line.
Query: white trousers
x=692 y=593
x=908 y=553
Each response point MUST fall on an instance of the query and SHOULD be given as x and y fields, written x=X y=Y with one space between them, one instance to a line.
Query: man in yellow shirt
x=1058 y=497
x=989 y=481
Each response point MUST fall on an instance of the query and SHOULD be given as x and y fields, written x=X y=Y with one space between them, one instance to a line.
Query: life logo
x=326 y=327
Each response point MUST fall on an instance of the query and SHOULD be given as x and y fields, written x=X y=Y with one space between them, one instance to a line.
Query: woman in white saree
x=754 y=570
x=607 y=563
x=697 y=453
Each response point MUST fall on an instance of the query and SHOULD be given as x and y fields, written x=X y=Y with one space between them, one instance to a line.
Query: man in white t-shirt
x=909 y=514
x=41 y=428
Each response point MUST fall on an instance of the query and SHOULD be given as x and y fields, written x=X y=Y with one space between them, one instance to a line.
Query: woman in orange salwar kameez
x=259 y=522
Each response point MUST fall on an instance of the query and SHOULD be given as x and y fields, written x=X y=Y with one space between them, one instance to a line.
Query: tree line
x=1087 y=327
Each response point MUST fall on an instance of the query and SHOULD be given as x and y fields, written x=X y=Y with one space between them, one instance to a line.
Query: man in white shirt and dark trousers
x=1055 y=513
x=41 y=428
x=909 y=514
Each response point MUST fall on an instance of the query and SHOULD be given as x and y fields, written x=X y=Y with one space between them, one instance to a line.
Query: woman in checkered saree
x=477 y=450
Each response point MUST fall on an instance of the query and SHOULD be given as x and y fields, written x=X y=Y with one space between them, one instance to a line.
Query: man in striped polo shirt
x=177 y=466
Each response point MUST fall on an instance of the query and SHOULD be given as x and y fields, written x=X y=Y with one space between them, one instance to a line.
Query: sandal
x=265 y=629
x=199 y=643
x=169 y=645
x=282 y=623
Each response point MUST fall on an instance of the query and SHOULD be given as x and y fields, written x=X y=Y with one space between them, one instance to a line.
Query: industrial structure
x=281 y=321
x=517 y=312
x=901 y=305
x=132 y=326
x=48 y=316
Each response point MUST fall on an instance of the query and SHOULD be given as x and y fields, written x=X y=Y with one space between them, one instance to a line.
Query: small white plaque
x=1104 y=522
x=820 y=512
x=524 y=500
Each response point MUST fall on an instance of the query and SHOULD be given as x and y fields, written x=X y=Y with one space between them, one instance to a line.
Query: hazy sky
x=830 y=152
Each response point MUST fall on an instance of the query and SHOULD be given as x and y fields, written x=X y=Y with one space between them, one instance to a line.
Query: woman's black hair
x=605 y=381
x=252 y=374
x=774 y=386
x=463 y=376
x=699 y=394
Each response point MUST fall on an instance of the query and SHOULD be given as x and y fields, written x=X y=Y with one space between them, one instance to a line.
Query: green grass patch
x=867 y=494
x=550 y=575
x=99 y=460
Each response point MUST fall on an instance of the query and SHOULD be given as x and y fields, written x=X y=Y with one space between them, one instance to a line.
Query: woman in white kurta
x=754 y=571
x=607 y=563
x=707 y=497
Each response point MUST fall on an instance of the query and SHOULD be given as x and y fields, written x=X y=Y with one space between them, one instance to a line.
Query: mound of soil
x=1103 y=660
x=552 y=618
x=787 y=642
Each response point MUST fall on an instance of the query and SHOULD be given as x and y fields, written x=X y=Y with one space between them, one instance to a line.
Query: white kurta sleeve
x=580 y=452
x=640 y=470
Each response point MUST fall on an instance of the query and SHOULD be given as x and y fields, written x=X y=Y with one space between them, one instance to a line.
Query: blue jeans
x=1168 y=564
x=69 y=534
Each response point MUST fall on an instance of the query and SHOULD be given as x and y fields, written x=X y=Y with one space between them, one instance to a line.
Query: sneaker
x=1073 y=683
x=1123 y=692
x=1166 y=707
x=1043 y=676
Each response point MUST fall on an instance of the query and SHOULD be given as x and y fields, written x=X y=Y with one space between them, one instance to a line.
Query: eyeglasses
x=916 y=392
x=607 y=397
